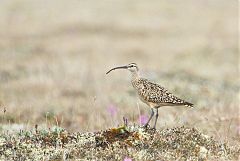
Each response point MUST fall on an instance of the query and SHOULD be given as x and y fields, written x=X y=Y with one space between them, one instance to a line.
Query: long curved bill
x=121 y=67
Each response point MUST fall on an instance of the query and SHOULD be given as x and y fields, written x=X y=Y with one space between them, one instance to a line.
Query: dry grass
x=54 y=55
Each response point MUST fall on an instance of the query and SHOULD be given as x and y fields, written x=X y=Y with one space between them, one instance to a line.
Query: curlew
x=152 y=94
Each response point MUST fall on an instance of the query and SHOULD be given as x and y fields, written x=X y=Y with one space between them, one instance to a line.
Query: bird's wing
x=159 y=95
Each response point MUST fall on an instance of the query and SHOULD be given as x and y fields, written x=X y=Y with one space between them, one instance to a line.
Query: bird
x=152 y=94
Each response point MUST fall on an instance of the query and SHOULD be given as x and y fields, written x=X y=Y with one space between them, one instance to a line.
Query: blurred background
x=54 y=55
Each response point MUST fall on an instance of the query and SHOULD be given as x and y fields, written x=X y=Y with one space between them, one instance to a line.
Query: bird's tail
x=187 y=104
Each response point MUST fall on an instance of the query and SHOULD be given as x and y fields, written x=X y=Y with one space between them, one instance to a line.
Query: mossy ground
x=131 y=141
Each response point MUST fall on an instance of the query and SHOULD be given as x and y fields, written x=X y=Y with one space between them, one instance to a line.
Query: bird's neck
x=135 y=75
x=135 y=79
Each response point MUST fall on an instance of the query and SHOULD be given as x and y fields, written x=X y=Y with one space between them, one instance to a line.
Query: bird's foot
x=153 y=129
x=146 y=126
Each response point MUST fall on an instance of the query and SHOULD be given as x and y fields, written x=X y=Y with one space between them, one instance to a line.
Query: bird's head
x=132 y=67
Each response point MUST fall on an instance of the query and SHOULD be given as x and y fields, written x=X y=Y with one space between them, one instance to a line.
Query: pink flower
x=143 y=119
x=127 y=159
x=112 y=110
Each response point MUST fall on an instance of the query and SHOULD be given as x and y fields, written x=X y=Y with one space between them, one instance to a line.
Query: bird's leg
x=152 y=113
x=156 y=119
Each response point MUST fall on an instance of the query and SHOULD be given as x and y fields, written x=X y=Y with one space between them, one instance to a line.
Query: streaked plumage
x=156 y=94
x=150 y=93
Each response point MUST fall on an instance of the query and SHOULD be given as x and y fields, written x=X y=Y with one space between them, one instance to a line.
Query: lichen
x=137 y=143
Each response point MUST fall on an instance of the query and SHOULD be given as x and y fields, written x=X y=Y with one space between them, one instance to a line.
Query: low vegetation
x=128 y=142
